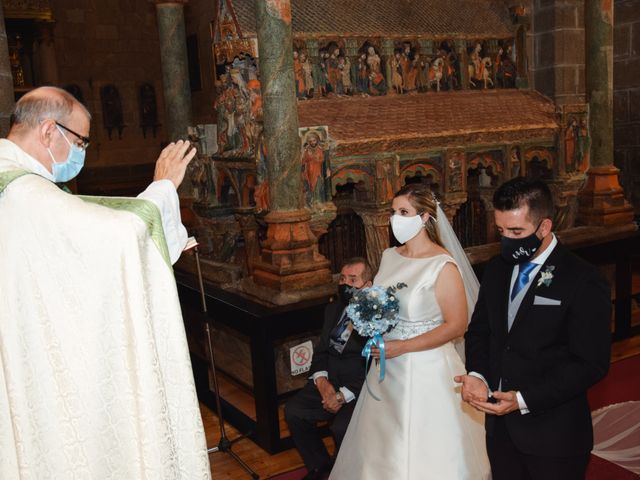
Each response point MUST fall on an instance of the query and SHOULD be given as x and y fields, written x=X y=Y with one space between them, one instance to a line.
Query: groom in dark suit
x=539 y=337
x=337 y=373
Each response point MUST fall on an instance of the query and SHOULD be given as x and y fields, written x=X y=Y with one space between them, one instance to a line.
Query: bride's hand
x=392 y=348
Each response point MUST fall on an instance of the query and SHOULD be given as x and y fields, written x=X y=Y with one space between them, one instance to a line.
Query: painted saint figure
x=313 y=157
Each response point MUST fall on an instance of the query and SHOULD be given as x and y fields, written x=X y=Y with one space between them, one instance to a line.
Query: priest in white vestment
x=95 y=375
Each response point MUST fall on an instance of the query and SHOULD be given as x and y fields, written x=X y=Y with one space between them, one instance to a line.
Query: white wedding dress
x=420 y=429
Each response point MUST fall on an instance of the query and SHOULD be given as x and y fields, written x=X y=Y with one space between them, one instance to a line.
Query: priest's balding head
x=52 y=126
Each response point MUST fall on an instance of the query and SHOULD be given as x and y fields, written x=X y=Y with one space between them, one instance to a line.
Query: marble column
x=601 y=201
x=175 y=69
x=289 y=258
x=6 y=80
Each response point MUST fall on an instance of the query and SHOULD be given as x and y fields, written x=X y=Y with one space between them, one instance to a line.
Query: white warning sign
x=301 y=357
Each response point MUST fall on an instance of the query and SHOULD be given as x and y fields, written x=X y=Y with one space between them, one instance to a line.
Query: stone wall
x=111 y=42
x=557 y=61
x=626 y=79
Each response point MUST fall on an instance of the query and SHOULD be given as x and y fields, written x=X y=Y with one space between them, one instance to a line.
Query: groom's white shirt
x=514 y=305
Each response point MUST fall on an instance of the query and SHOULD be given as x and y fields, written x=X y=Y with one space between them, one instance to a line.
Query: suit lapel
x=527 y=301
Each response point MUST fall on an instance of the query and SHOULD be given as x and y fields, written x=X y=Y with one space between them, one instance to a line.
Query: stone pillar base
x=376 y=229
x=289 y=259
x=601 y=202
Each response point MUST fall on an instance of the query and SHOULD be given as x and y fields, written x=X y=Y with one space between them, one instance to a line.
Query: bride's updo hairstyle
x=421 y=198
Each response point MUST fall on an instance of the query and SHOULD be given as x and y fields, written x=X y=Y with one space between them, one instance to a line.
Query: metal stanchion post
x=224 y=445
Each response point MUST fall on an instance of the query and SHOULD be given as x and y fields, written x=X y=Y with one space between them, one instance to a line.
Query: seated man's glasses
x=85 y=140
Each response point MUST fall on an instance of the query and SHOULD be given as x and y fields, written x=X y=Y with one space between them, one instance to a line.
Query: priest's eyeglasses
x=85 y=140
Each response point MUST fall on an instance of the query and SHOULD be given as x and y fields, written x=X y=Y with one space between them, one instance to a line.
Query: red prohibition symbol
x=301 y=355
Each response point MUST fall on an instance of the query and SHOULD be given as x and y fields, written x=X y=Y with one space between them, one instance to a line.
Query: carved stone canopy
x=361 y=126
x=433 y=18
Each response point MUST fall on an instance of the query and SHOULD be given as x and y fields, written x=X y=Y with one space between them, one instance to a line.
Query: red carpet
x=620 y=385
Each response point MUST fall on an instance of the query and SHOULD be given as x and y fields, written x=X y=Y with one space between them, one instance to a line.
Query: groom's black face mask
x=518 y=250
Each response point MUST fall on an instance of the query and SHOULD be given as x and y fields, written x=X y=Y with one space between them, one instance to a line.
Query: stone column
x=6 y=80
x=47 y=67
x=601 y=202
x=463 y=60
x=175 y=69
x=289 y=259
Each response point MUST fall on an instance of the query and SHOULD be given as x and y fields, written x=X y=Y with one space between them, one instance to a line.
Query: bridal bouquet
x=374 y=312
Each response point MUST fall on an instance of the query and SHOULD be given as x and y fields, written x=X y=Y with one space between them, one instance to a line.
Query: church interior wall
x=104 y=43
x=626 y=97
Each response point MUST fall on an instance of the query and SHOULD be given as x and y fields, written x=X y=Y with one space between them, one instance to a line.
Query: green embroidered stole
x=146 y=210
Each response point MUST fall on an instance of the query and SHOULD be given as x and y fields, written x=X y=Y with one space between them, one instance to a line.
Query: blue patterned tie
x=524 y=269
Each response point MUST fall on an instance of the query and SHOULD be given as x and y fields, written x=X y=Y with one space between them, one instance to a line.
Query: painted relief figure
x=307 y=70
x=479 y=67
x=397 y=82
x=362 y=75
x=455 y=171
x=515 y=162
x=334 y=76
x=344 y=66
x=238 y=108
x=377 y=83
x=583 y=144
x=298 y=72
x=570 y=134
x=314 y=170
x=409 y=72
x=320 y=79
x=505 y=67
x=422 y=78
x=436 y=72
x=475 y=64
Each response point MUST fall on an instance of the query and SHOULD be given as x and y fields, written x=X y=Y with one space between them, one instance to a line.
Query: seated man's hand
x=473 y=388
x=328 y=393
x=172 y=162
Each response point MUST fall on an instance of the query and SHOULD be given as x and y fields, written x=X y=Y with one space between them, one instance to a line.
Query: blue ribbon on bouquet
x=375 y=341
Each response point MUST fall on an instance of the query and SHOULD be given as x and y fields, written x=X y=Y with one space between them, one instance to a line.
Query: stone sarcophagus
x=387 y=93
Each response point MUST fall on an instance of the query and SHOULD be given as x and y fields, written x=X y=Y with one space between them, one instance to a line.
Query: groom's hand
x=506 y=402
x=472 y=388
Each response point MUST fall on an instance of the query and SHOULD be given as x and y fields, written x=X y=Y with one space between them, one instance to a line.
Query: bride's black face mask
x=519 y=250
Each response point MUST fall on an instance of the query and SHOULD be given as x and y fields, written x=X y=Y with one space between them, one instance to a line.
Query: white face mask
x=405 y=228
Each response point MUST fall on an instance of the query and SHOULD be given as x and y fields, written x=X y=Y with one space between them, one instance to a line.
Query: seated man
x=338 y=371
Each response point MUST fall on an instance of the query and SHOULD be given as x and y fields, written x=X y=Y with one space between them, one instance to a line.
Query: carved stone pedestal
x=601 y=202
x=289 y=260
x=376 y=229
x=451 y=203
x=565 y=190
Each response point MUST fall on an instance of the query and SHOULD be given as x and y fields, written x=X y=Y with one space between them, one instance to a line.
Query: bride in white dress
x=420 y=429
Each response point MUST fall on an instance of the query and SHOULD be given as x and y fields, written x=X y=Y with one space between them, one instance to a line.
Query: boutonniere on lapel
x=546 y=276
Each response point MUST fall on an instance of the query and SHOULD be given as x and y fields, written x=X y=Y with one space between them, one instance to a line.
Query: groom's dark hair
x=521 y=191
